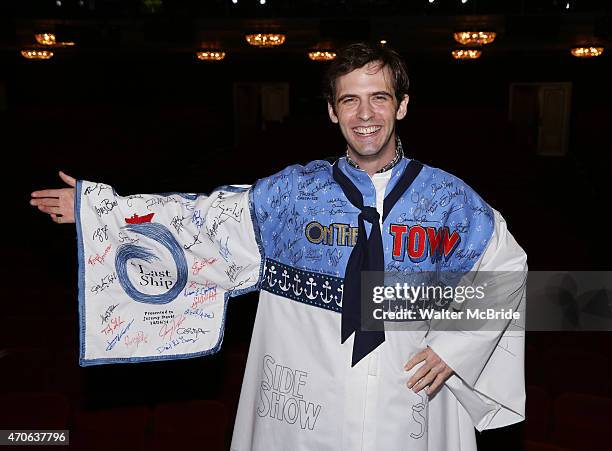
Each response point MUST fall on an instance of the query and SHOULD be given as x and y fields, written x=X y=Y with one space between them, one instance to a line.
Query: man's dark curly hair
x=358 y=55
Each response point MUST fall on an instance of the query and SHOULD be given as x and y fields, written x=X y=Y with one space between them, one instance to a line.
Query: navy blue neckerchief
x=367 y=255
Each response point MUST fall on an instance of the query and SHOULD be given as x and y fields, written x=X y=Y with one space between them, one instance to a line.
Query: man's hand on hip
x=431 y=374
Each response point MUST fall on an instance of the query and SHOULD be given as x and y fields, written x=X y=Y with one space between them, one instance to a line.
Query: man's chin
x=366 y=154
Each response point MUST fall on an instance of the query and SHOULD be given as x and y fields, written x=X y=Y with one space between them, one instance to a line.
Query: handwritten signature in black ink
x=106 y=206
x=177 y=223
x=101 y=234
x=129 y=199
x=98 y=186
x=196 y=240
x=233 y=271
x=105 y=282
x=334 y=256
x=107 y=314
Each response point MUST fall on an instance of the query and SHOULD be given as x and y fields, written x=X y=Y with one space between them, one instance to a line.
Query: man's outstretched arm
x=156 y=270
x=57 y=203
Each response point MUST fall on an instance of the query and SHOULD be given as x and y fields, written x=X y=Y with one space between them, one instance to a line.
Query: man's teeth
x=366 y=130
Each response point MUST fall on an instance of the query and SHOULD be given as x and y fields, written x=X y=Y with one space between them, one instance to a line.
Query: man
x=315 y=379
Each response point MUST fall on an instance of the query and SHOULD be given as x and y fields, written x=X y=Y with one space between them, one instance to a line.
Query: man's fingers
x=50 y=210
x=432 y=373
x=436 y=371
x=424 y=382
x=58 y=203
x=437 y=383
x=47 y=193
x=45 y=202
x=417 y=358
x=67 y=179
x=421 y=372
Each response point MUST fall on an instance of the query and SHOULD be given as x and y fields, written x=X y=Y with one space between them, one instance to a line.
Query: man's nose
x=365 y=111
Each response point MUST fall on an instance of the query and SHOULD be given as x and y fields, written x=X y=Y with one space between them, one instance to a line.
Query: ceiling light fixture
x=265 y=39
x=50 y=40
x=587 y=52
x=322 y=55
x=210 y=55
x=466 y=54
x=45 y=38
x=475 y=37
x=37 y=54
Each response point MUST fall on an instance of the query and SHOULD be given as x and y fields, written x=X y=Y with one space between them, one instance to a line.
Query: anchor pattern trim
x=308 y=287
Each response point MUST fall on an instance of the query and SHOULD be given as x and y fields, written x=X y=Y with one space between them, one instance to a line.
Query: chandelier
x=466 y=54
x=45 y=38
x=210 y=55
x=265 y=39
x=50 y=40
x=474 y=37
x=322 y=55
x=37 y=54
x=587 y=52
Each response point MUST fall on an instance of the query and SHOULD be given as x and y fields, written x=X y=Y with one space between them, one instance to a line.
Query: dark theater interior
x=121 y=95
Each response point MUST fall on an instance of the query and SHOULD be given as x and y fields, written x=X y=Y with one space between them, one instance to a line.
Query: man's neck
x=376 y=164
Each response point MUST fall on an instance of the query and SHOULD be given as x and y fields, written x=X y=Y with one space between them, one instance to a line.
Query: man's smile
x=367 y=131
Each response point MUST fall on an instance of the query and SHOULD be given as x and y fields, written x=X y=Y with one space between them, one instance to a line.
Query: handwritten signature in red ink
x=167 y=330
x=99 y=258
x=198 y=265
x=114 y=323
x=140 y=337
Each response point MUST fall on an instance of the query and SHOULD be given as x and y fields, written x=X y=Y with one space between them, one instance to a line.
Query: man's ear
x=332 y=113
x=402 y=108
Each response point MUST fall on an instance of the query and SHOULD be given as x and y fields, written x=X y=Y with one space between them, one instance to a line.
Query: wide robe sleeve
x=488 y=362
x=156 y=271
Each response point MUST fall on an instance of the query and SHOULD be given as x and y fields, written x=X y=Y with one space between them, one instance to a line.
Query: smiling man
x=317 y=376
x=365 y=105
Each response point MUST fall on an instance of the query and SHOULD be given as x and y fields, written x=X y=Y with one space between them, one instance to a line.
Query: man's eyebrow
x=342 y=97
x=377 y=93
x=383 y=93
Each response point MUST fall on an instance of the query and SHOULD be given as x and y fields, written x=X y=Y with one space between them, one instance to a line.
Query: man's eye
x=349 y=100
x=380 y=98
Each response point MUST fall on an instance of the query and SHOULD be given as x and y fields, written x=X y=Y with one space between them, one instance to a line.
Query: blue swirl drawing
x=126 y=252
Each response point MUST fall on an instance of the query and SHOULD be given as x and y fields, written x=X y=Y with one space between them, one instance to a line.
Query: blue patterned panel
x=308 y=287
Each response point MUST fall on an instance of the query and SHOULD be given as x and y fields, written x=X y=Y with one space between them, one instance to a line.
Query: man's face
x=366 y=110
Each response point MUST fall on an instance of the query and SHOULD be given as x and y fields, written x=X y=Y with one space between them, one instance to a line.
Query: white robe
x=299 y=390
x=369 y=407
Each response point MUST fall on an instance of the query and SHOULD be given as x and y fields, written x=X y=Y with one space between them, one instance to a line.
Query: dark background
x=131 y=106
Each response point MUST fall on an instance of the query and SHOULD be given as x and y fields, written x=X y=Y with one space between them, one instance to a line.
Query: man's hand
x=58 y=203
x=431 y=374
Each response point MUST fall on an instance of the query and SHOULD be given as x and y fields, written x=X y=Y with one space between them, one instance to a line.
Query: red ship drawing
x=135 y=219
